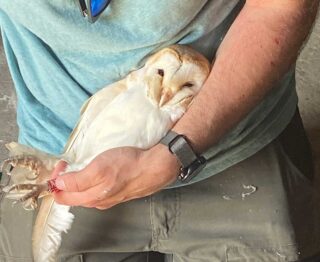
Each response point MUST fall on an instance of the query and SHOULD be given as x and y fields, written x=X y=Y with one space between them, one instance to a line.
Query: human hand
x=115 y=176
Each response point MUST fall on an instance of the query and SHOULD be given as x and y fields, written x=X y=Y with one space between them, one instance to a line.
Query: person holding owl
x=252 y=199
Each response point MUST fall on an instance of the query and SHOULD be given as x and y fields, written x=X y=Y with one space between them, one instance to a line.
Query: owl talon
x=32 y=204
x=29 y=199
x=28 y=162
x=29 y=205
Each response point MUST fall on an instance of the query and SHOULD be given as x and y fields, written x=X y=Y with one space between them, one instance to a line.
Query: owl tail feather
x=52 y=220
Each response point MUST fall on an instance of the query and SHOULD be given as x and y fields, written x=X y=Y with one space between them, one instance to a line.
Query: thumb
x=68 y=182
x=91 y=175
x=59 y=168
x=73 y=181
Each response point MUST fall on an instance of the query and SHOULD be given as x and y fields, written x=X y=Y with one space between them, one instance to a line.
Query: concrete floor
x=8 y=127
x=308 y=85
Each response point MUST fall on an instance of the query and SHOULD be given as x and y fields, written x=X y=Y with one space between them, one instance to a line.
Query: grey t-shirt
x=57 y=60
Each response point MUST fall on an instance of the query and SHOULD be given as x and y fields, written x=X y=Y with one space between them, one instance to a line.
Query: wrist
x=161 y=162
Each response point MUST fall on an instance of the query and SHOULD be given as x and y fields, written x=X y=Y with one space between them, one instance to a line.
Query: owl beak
x=166 y=95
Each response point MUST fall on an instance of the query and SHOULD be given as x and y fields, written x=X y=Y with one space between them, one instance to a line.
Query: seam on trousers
x=171 y=216
x=260 y=254
x=12 y=258
x=154 y=236
x=226 y=254
x=177 y=210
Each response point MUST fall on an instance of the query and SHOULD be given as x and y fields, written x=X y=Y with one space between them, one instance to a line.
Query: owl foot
x=28 y=162
x=24 y=193
x=27 y=194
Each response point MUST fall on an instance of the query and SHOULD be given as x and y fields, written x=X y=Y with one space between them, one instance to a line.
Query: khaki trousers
x=262 y=209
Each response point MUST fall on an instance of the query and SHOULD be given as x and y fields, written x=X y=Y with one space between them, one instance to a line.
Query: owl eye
x=188 y=84
x=161 y=72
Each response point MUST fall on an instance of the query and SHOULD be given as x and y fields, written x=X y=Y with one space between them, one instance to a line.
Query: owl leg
x=29 y=162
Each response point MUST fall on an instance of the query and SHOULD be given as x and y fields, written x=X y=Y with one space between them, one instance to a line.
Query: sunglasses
x=92 y=9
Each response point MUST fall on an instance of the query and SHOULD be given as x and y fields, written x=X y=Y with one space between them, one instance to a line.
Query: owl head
x=175 y=75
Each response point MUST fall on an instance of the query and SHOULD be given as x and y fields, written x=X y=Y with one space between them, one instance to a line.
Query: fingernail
x=52 y=186
x=60 y=184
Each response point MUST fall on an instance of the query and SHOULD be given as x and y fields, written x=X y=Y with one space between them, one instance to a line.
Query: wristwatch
x=191 y=163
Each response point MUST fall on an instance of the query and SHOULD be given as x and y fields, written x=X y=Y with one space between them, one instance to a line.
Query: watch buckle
x=187 y=173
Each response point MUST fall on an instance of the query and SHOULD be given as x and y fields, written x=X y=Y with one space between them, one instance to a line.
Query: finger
x=99 y=198
x=70 y=182
x=73 y=198
x=93 y=174
x=108 y=204
x=76 y=181
x=118 y=196
x=60 y=167
x=110 y=201
x=101 y=208
x=97 y=205
x=88 y=198
x=105 y=207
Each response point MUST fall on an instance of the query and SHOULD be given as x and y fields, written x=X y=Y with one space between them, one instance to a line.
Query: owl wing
x=45 y=239
x=93 y=106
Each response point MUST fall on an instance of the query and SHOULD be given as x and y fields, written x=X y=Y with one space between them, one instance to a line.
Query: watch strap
x=191 y=163
x=180 y=148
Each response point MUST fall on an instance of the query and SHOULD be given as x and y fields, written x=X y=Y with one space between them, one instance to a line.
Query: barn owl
x=136 y=111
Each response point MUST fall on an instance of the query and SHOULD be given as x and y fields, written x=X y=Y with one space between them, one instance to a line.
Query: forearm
x=261 y=45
